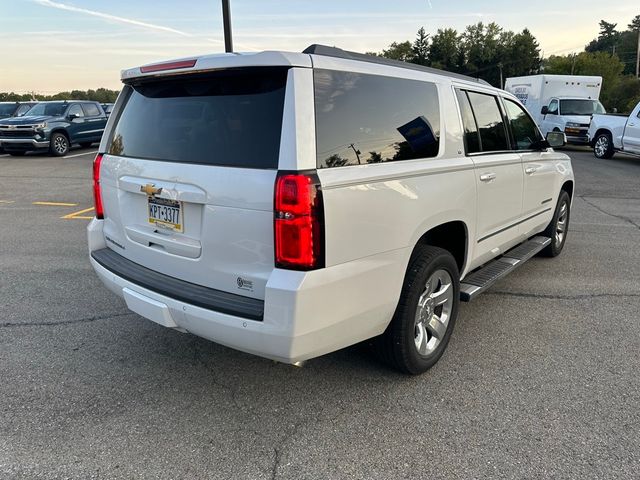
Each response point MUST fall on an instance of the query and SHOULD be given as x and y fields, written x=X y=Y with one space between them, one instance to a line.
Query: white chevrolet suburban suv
x=292 y=204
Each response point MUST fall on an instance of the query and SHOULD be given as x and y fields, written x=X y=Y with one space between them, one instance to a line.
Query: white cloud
x=113 y=18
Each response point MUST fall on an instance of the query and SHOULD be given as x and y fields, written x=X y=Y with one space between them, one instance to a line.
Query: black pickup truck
x=53 y=126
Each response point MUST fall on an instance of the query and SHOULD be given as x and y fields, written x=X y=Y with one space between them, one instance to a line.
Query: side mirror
x=556 y=139
x=544 y=110
x=73 y=116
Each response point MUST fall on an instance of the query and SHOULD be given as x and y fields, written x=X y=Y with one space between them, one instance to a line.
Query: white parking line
x=81 y=154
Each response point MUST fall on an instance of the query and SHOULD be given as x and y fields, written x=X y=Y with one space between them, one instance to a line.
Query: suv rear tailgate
x=188 y=177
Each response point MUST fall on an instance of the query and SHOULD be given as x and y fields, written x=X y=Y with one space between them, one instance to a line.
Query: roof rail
x=339 y=53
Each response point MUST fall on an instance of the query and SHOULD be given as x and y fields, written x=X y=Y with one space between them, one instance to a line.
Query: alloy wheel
x=602 y=145
x=60 y=144
x=433 y=312
x=561 y=224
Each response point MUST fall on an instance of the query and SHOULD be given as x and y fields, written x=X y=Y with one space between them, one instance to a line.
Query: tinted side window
x=524 y=130
x=471 y=135
x=75 y=110
x=493 y=136
x=90 y=109
x=372 y=119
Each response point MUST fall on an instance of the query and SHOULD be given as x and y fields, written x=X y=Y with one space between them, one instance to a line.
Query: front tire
x=426 y=314
x=603 y=146
x=59 y=145
x=558 y=227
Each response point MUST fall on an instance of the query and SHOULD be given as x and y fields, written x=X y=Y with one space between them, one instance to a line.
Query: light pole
x=638 y=56
x=226 y=22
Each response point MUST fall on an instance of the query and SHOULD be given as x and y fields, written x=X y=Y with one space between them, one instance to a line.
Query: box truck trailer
x=560 y=103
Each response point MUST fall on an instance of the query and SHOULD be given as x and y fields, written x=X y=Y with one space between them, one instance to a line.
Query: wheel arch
x=452 y=236
x=568 y=187
x=61 y=130
x=599 y=132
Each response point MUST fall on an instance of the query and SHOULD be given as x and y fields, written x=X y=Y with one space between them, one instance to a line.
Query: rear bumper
x=306 y=314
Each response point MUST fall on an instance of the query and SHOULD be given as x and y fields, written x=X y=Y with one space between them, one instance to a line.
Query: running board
x=478 y=281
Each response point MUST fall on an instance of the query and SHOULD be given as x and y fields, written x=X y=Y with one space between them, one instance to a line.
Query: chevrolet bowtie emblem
x=150 y=189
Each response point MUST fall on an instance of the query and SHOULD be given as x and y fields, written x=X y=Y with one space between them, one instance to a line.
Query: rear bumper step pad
x=209 y=298
x=478 y=281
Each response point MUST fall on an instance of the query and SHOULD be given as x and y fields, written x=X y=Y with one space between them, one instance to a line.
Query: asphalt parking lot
x=540 y=379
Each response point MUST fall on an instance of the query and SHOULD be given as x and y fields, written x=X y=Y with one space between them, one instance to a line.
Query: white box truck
x=560 y=103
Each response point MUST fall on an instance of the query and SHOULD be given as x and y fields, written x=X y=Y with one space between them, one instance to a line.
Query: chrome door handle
x=487 y=177
x=530 y=170
x=632 y=124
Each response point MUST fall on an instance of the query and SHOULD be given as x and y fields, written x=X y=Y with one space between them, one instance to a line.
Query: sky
x=52 y=45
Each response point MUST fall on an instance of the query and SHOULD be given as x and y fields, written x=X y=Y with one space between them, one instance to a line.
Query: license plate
x=165 y=213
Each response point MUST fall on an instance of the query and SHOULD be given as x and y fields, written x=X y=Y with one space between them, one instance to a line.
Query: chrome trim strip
x=513 y=225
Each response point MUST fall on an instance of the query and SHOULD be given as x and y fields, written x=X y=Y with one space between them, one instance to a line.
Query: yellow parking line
x=56 y=204
x=79 y=214
x=7 y=201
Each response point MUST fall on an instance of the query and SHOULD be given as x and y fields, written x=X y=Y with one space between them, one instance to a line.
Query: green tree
x=375 y=157
x=420 y=48
x=444 y=52
x=623 y=94
x=335 y=160
x=402 y=51
x=481 y=44
x=634 y=26
x=481 y=50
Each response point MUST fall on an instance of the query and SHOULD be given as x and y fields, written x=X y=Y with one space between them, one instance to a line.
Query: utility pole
x=501 y=79
x=638 y=57
x=356 y=151
x=226 y=21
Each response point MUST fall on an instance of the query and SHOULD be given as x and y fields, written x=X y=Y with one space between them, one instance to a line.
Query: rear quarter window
x=230 y=118
x=91 y=109
x=363 y=118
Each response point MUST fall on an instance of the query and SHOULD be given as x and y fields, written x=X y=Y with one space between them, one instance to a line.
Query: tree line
x=102 y=95
x=489 y=52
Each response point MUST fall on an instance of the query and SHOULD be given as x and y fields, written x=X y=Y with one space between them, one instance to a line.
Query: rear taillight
x=299 y=222
x=97 y=194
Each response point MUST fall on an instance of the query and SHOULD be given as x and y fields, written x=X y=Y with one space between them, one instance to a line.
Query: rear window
x=231 y=118
x=363 y=119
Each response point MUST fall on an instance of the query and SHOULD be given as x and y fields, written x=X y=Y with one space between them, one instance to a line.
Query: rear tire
x=603 y=146
x=17 y=154
x=59 y=145
x=558 y=227
x=426 y=314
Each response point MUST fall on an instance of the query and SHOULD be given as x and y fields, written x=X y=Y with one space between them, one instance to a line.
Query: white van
x=292 y=204
x=560 y=103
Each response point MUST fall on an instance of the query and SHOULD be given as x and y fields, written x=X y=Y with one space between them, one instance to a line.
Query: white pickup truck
x=615 y=133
